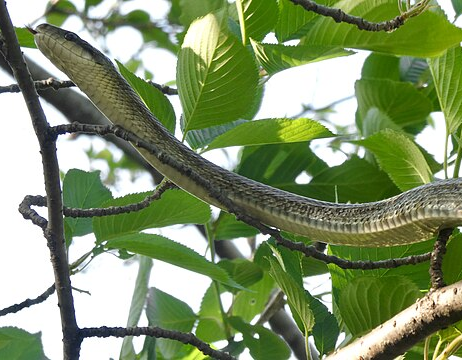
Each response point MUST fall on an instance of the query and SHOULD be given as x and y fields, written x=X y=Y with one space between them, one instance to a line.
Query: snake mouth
x=32 y=31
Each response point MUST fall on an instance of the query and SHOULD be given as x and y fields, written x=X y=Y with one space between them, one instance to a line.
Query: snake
x=415 y=215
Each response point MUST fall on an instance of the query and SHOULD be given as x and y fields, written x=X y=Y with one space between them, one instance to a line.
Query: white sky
x=24 y=260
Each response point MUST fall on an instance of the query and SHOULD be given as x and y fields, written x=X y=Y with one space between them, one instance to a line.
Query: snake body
x=413 y=216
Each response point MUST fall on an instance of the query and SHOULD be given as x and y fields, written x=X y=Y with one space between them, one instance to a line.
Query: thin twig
x=39 y=85
x=154 y=331
x=28 y=302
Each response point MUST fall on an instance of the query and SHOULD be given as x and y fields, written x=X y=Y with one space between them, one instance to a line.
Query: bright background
x=24 y=259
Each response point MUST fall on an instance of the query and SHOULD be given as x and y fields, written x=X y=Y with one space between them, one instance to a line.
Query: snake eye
x=70 y=36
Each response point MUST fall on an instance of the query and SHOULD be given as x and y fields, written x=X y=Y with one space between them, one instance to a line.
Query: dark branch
x=28 y=302
x=436 y=260
x=39 y=85
x=340 y=16
x=185 y=338
x=54 y=231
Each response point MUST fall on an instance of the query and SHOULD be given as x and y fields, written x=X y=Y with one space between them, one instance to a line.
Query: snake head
x=62 y=47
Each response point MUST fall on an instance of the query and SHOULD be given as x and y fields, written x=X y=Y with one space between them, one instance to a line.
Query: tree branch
x=28 y=302
x=54 y=232
x=437 y=310
x=154 y=331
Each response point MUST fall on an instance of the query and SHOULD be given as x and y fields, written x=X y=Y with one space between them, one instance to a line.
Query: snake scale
x=413 y=216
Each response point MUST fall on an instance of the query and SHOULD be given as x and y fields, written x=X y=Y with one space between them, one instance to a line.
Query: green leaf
x=58 y=12
x=18 y=344
x=457 y=5
x=400 y=101
x=380 y=66
x=447 y=72
x=271 y=131
x=127 y=351
x=243 y=271
x=355 y=181
x=248 y=304
x=154 y=99
x=227 y=227
x=376 y=120
x=161 y=248
x=277 y=57
x=25 y=38
x=191 y=10
x=170 y=313
x=217 y=77
x=417 y=273
x=138 y=17
x=82 y=190
x=279 y=164
x=261 y=342
x=326 y=329
x=296 y=296
x=174 y=207
x=366 y=302
x=399 y=157
x=211 y=327
x=415 y=38
x=256 y=17
x=203 y=137
x=452 y=266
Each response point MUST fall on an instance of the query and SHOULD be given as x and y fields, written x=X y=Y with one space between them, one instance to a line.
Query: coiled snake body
x=413 y=216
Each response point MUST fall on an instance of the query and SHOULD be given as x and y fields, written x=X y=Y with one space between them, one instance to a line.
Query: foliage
x=224 y=60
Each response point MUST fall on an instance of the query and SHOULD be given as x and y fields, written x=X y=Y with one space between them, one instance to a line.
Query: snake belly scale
x=413 y=216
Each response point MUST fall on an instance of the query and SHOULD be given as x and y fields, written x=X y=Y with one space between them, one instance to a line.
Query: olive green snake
x=413 y=216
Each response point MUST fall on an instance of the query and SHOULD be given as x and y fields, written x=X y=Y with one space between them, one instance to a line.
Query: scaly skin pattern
x=410 y=217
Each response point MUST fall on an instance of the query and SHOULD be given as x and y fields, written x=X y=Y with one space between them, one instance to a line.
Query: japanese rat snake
x=413 y=216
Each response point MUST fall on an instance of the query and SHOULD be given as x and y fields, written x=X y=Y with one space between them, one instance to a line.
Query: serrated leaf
x=326 y=329
x=399 y=157
x=170 y=313
x=156 y=102
x=261 y=342
x=295 y=293
x=256 y=17
x=400 y=101
x=417 y=273
x=271 y=131
x=217 y=77
x=447 y=73
x=82 y=190
x=277 y=57
x=127 y=351
x=19 y=344
x=174 y=207
x=210 y=327
x=403 y=41
x=366 y=302
x=161 y=248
